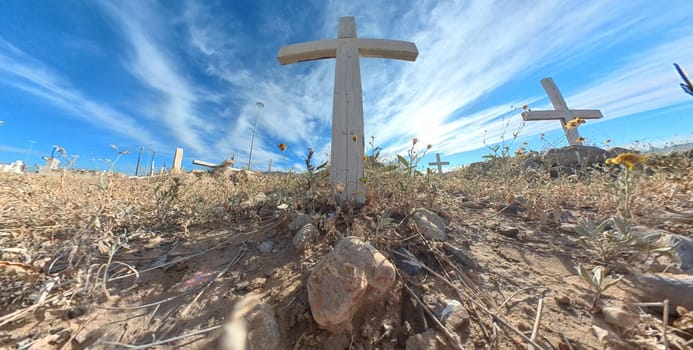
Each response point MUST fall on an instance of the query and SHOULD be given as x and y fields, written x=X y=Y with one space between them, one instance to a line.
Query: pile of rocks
x=571 y=159
x=16 y=167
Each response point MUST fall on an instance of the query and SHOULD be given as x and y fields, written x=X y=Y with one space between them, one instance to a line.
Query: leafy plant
x=615 y=239
x=597 y=281
x=410 y=165
x=312 y=170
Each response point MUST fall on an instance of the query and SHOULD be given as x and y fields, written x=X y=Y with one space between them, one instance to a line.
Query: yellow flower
x=354 y=138
x=629 y=160
x=282 y=147
x=364 y=157
x=580 y=139
x=574 y=123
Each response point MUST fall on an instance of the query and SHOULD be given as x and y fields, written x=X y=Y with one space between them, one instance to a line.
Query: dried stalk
x=537 y=322
x=164 y=341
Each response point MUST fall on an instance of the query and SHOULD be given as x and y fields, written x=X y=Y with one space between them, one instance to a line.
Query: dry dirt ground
x=95 y=262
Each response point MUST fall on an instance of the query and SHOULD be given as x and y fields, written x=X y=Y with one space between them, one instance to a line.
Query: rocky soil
x=463 y=271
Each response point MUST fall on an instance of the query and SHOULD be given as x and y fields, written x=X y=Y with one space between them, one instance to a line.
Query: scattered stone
x=454 y=316
x=242 y=286
x=473 y=205
x=562 y=300
x=449 y=311
x=299 y=221
x=608 y=340
x=423 y=341
x=305 y=235
x=459 y=254
x=620 y=318
x=508 y=231
x=353 y=274
x=265 y=247
x=263 y=329
x=432 y=225
x=75 y=312
x=683 y=250
x=407 y=263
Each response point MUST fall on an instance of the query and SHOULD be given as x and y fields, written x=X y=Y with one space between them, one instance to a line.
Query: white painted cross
x=347 y=109
x=439 y=163
x=177 y=159
x=562 y=112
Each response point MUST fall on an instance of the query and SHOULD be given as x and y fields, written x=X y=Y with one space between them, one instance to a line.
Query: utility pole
x=139 y=156
x=252 y=140
x=151 y=169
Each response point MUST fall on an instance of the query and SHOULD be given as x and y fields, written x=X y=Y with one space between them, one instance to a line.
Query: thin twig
x=495 y=317
x=73 y=335
x=537 y=322
x=665 y=321
x=455 y=341
x=567 y=341
x=147 y=305
x=209 y=283
x=516 y=293
x=164 y=341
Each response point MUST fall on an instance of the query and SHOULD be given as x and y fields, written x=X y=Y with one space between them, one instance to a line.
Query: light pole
x=26 y=158
x=252 y=140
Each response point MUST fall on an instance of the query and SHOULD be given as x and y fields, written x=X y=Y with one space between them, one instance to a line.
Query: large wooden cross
x=347 y=109
x=439 y=163
x=562 y=112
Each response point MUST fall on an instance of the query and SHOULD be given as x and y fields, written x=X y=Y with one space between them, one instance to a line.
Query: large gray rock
x=577 y=155
x=678 y=288
x=432 y=225
x=567 y=160
x=353 y=274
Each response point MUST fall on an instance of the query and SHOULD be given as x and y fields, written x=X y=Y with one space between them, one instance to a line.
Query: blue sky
x=159 y=75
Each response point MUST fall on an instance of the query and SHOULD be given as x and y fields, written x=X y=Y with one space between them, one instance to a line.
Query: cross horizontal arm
x=383 y=48
x=373 y=48
x=565 y=115
x=308 y=51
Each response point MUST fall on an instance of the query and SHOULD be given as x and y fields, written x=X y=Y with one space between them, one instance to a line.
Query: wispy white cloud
x=468 y=50
x=203 y=67
x=26 y=73
x=156 y=68
x=644 y=81
x=12 y=149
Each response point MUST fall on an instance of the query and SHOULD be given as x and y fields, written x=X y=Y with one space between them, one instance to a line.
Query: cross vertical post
x=346 y=163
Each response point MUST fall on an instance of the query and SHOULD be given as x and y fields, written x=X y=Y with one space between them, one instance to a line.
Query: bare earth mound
x=103 y=261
